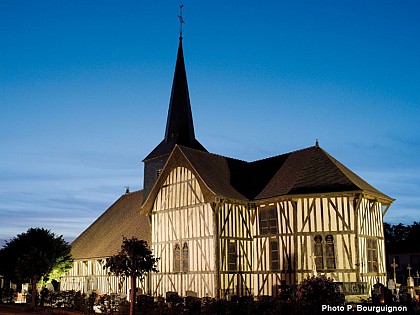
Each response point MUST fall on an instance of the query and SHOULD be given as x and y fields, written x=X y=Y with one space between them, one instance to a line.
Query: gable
x=307 y=171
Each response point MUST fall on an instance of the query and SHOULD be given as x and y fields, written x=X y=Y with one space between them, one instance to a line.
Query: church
x=223 y=226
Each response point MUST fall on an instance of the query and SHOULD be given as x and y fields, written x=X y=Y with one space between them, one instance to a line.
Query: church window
x=185 y=258
x=177 y=258
x=329 y=252
x=274 y=254
x=232 y=257
x=372 y=255
x=319 y=253
x=268 y=221
x=324 y=252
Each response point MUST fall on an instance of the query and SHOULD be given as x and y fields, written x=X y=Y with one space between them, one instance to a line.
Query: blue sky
x=85 y=86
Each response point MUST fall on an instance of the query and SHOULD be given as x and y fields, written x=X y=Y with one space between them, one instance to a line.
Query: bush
x=316 y=291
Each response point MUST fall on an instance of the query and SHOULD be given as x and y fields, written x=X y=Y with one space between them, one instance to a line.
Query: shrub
x=316 y=291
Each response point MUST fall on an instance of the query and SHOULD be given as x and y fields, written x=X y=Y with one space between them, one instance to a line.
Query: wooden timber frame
x=87 y=275
x=182 y=221
x=228 y=254
x=214 y=246
x=350 y=219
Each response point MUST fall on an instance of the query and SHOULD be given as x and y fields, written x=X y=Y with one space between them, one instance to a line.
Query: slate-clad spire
x=179 y=125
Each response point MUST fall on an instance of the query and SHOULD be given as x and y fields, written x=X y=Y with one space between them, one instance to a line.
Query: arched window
x=177 y=258
x=318 y=252
x=185 y=258
x=329 y=252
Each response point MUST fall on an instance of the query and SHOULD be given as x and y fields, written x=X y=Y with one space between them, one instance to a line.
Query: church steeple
x=179 y=124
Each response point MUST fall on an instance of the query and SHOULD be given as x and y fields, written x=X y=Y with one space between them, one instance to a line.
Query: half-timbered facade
x=102 y=239
x=222 y=226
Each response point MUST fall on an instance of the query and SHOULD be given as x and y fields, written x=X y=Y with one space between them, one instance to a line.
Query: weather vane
x=181 y=21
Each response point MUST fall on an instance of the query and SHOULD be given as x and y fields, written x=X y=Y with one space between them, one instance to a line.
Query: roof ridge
x=210 y=153
x=291 y=152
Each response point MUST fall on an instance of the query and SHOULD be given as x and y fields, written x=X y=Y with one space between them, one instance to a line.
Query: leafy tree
x=134 y=260
x=33 y=255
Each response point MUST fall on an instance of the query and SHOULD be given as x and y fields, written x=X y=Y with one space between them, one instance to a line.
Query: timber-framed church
x=223 y=226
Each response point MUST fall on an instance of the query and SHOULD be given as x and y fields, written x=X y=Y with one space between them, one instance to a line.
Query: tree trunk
x=133 y=295
x=33 y=297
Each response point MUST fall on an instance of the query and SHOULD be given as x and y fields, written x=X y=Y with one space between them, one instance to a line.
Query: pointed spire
x=179 y=124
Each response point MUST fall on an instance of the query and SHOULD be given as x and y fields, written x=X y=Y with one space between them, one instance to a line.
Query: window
x=372 y=255
x=185 y=258
x=329 y=252
x=268 y=221
x=181 y=258
x=177 y=258
x=158 y=172
x=319 y=253
x=324 y=252
x=232 y=257
x=274 y=254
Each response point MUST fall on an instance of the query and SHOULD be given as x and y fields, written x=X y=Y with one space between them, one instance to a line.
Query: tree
x=32 y=256
x=134 y=260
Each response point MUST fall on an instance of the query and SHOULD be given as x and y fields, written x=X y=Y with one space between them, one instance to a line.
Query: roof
x=179 y=124
x=103 y=238
x=308 y=171
x=313 y=170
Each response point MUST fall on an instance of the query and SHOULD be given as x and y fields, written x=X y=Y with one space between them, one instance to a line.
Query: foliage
x=316 y=291
x=35 y=252
x=402 y=238
x=134 y=260
x=33 y=255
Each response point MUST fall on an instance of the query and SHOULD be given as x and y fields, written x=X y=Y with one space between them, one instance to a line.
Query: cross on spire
x=181 y=21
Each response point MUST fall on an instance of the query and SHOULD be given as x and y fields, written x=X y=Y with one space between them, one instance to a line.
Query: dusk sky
x=85 y=87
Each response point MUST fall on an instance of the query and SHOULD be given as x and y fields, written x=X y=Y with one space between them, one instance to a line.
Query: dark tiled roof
x=306 y=171
x=103 y=238
x=217 y=172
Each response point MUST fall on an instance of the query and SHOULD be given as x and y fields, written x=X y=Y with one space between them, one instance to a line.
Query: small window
x=232 y=257
x=372 y=255
x=158 y=172
x=185 y=258
x=329 y=252
x=268 y=221
x=274 y=255
x=324 y=252
x=177 y=258
x=318 y=252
